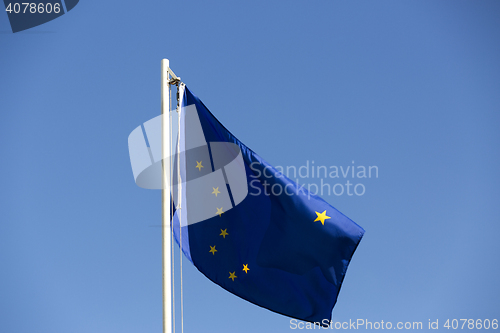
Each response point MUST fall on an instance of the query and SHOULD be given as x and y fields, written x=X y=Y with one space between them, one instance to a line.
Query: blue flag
x=250 y=229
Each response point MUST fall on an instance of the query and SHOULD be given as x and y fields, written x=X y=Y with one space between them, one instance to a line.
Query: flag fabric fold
x=250 y=229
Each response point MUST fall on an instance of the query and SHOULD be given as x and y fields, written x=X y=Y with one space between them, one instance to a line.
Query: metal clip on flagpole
x=166 y=82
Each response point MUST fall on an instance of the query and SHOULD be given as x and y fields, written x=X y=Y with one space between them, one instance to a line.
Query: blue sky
x=408 y=86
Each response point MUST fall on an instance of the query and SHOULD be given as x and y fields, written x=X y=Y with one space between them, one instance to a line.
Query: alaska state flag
x=250 y=229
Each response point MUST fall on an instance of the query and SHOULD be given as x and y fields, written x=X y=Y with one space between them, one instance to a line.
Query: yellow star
x=245 y=268
x=212 y=249
x=232 y=275
x=219 y=211
x=223 y=233
x=198 y=165
x=322 y=217
x=216 y=191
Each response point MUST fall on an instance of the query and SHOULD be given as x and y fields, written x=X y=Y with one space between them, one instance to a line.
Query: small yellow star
x=216 y=191
x=198 y=165
x=223 y=233
x=245 y=268
x=212 y=249
x=219 y=211
x=232 y=275
x=322 y=217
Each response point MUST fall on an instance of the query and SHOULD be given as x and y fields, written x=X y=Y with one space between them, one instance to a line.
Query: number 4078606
x=471 y=324
x=33 y=8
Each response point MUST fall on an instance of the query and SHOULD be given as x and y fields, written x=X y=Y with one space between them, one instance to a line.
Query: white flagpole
x=166 y=243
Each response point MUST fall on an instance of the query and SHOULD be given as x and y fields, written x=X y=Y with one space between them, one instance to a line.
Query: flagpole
x=166 y=203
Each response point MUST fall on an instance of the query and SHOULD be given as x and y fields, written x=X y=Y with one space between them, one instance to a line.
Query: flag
x=250 y=229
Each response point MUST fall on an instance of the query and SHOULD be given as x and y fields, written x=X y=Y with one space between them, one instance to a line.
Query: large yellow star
x=232 y=275
x=212 y=249
x=223 y=233
x=216 y=191
x=245 y=268
x=219 y=211
x=198 y=165
x=322 y=217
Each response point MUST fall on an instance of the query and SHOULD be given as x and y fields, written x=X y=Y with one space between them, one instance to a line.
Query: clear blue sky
x=409 y=86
